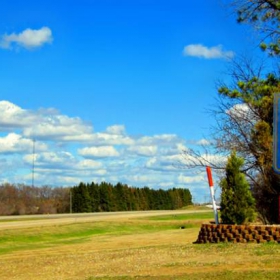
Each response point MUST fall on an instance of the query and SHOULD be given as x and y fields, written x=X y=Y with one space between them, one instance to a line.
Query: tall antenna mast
x=33 y=162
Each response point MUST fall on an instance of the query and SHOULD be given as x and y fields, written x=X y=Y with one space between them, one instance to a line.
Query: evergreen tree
x=106 y=197
x=95 y=197
x=253 y=139
x=264 y=15
x=121 y=197
x=245 y=124
x=87 y=204
x=142 y=202
x=77 y=200
x=237 y=202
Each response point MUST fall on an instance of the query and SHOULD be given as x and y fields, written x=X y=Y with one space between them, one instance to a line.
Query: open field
x=130 y=247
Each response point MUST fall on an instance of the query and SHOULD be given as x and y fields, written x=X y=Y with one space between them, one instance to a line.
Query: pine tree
x=86 y=199
x=237 y=202
x=95 y=196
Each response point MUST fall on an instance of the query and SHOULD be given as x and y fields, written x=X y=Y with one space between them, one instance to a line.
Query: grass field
x=159 y=247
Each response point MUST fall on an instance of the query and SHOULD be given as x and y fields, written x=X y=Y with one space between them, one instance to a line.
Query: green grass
x=184 y=217
x=19 y=219
x=23 y=239
x=194 y=261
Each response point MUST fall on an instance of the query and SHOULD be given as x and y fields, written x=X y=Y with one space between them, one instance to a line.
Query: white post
x=211 y=185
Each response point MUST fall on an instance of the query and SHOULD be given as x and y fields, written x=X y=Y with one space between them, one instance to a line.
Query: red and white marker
x=211 y=185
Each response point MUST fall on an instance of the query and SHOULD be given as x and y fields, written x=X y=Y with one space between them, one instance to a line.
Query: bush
x=237 y=202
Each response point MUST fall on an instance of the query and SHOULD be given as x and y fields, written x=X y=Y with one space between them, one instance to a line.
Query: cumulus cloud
x=139 y=178
x=98 y=152
x=142 y=179
x=204 y=159
x=75 y=152
x=57 y=162
x=28 y=38
x=58 y=127
x=103 y=139
x=163 y=139
x=49 y=124
x=164 y=163
x=14 y=143
x=12 y=116
x=52 y=159
x=166 y=185
x=191 y=179
x=241 y=111
x=40 y=124
x=89 y=164
x=116 y=129
x=45 y=124
x=203 y=142
x=146 y=151
x=216 y=159
x=216 y=52
x=98 y=139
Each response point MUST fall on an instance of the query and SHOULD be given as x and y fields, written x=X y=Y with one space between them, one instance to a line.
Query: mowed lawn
x=158 y=247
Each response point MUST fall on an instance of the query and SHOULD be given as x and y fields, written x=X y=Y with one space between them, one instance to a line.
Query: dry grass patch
x=141 y=249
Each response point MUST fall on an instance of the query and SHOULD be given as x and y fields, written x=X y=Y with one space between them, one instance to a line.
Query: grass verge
x=45 y=237
x=158 y=247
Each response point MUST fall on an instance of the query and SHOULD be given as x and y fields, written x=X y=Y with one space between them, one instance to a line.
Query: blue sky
x=111 y=90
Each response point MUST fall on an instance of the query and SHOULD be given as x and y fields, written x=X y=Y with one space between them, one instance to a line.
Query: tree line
x=19 y=199
x=101 y=197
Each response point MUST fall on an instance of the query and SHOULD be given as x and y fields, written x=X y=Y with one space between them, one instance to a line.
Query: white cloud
x=166 y=185
x=28 y=39
x=89 y=164
x=191 y=179
x=203 y=142
x=12 y=116
x=204 y=159
x=242 y=111
x=117 y=166
x=41 y=124
x=103 y=139
x=68 y=151
x=8 y=167
x=198 y=50
x=61 y=180
x=98 y=152
x=63 y=163
x=146 y=151
x=53 y=159
x=163 y=139
x=58 y=128
x=49 y=124
x=116 y=129
x=98 y=139
x=14 y=143
x=218 y=160
x=172 y=149
x=164 y=163
x=139 y=178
